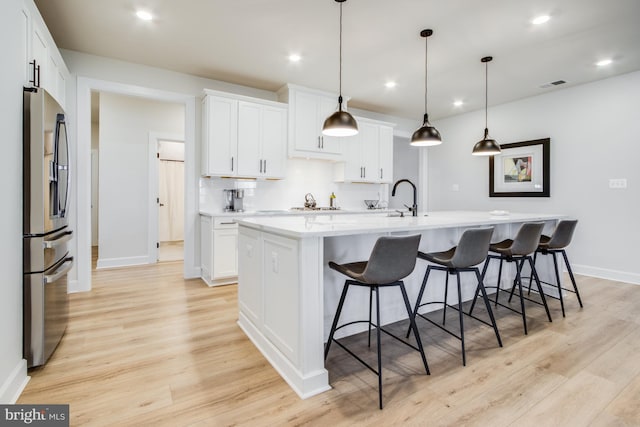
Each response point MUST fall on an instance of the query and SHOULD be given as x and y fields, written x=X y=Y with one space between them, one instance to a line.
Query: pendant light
x=427 y=135
x=340 y=123
x=488 y=146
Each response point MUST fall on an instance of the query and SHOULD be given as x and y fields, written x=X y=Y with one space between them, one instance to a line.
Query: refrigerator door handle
x=60 y=271
x=62 y=238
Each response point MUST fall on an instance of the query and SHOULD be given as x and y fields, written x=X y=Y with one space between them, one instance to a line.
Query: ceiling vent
x=551 y=84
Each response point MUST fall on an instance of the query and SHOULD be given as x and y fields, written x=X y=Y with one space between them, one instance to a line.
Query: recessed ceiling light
x=540 y=19
x=390 y=84
x=458 y=103
x=144 y=15
x=604 y=62
x=294 y=57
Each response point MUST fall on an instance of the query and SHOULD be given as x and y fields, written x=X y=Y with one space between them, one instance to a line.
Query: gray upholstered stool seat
x=470 y=251
x=516 y=250
x=391 y=260
x=556 y=244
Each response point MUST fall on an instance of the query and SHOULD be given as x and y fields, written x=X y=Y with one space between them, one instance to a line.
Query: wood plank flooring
x=147 y=347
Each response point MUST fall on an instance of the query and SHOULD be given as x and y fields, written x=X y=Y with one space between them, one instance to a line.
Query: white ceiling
x=248 y=41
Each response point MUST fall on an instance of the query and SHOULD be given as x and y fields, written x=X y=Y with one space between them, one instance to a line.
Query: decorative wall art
x=521 y=170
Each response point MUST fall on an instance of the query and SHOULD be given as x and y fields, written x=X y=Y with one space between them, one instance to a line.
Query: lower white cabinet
x=218 y=250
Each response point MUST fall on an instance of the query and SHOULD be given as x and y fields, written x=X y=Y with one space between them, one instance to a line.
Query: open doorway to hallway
x=129 y=227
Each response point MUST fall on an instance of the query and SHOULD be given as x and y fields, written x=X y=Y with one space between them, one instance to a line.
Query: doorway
x=170 y=199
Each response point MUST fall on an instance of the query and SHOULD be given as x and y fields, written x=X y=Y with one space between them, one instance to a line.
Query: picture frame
x=521 y=169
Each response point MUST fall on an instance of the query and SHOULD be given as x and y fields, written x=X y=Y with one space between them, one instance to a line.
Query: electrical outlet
x=618 y=183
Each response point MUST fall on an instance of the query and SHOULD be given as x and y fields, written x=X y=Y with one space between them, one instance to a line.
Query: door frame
x=84 y=86
x=154 y=190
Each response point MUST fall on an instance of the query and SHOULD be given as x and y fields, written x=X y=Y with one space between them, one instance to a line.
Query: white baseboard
x=605 y=273
x=122 y=262
x=12 y=386
x=192 y=272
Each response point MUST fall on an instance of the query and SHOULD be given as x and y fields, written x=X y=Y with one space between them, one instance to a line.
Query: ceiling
x=248 y=42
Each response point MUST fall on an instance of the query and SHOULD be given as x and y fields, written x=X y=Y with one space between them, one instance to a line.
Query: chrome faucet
x=414 y=208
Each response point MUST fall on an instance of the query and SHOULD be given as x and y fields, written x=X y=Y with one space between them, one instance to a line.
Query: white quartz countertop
x=341 y=225
x=291 y=212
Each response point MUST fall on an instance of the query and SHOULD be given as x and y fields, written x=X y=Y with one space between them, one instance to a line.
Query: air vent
x=555 y=83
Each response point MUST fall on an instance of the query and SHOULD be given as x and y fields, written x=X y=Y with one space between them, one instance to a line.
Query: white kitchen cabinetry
x=243 y=137
x=262 y=135
x=308 y=110
x=368 y=156
x=218 y=250
x=43 y=64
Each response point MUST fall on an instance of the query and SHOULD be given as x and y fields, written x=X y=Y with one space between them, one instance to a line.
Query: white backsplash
x=303 y=176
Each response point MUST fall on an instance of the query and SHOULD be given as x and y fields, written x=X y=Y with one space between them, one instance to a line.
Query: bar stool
x=471 y=250
x=517 y=250
x=559 y=240
x=391 y=260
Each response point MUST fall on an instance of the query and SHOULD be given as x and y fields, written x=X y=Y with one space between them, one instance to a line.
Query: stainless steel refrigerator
x=46 y=232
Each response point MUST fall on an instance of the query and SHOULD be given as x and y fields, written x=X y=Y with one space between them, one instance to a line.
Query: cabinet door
x=328 y=106
x=386 y=155
x=369 y=147
x=274 y=139
x=206 y=248
x=225 y=253
x=39 y=53
x=249 y=139
x=306 y=134
x=352 y=155
x=222 y=138
x=25 y=46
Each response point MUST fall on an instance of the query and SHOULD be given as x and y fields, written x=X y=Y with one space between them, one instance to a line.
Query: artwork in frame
x=521 y=170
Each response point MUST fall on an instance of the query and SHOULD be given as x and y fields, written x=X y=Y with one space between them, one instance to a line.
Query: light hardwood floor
x=147 y=347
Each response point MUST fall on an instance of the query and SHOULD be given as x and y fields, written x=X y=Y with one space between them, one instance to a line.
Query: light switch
x=618 y=183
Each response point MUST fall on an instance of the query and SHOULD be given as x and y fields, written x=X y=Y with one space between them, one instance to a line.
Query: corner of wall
x=12 y=387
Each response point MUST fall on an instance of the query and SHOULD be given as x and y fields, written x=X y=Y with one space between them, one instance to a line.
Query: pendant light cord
x=486 y=92
x=426 y=51
x=340 y=69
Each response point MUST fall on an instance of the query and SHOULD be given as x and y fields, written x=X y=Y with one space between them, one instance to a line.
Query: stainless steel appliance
x=234 y=200
x=46 y=233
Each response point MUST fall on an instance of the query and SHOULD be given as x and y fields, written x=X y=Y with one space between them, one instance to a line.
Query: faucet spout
x=414 y=207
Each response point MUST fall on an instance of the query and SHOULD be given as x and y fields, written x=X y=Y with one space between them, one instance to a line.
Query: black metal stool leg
x=484 y=271
x=558 y=284
x=461 y=317
x=573 y=280
x=419 y=300
x=379 y=347
x=535 y=256
x=446 y=291
x=414 y=327
x=370 y=308
x=537 y=279
x=488 y=306
x=336 y=318
x=499 y=281
x=519 y=279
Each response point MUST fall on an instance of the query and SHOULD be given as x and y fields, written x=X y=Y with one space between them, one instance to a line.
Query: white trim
x=83 y=171
x=121 y=262
x=153 y=223
x=14 y=384
x=605 y=273
x=402 y=133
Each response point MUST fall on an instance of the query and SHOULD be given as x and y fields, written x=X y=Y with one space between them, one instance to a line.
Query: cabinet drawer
x=222 y=223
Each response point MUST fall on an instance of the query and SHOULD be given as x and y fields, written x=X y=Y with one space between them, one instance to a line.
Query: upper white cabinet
x=368 y=156
x=308 y=110
x=43 y=63
x=243 y=137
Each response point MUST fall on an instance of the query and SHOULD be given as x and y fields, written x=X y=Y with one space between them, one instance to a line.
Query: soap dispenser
x=332 y=201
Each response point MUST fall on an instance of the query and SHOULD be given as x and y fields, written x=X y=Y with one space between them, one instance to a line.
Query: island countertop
x=326 y=225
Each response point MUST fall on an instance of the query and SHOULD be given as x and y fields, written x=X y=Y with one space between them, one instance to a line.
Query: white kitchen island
x=287 y=295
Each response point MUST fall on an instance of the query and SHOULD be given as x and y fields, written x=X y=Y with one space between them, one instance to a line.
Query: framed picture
x=520 y=170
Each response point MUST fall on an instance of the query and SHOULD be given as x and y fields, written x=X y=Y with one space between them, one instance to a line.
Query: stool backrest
x=393 y=258
x=527 y=239
x=472 y=248
x=563 y=234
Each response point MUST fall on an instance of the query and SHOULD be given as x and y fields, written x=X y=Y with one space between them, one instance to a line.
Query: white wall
x=13 y=369
x=405 y=165
x=125 y=123
x=594 y=132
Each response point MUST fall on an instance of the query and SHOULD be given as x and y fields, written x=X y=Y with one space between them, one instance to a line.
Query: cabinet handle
x=380 y=173
x=322 y=142
x=227 y=223
x=265 y=165
x=231 y=164
x=38 y=73
x=260 y=165
x=319 y=146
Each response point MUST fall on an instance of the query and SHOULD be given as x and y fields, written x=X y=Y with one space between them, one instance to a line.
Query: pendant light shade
x=487 y=146
x=427 y=135
x=340 y=123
